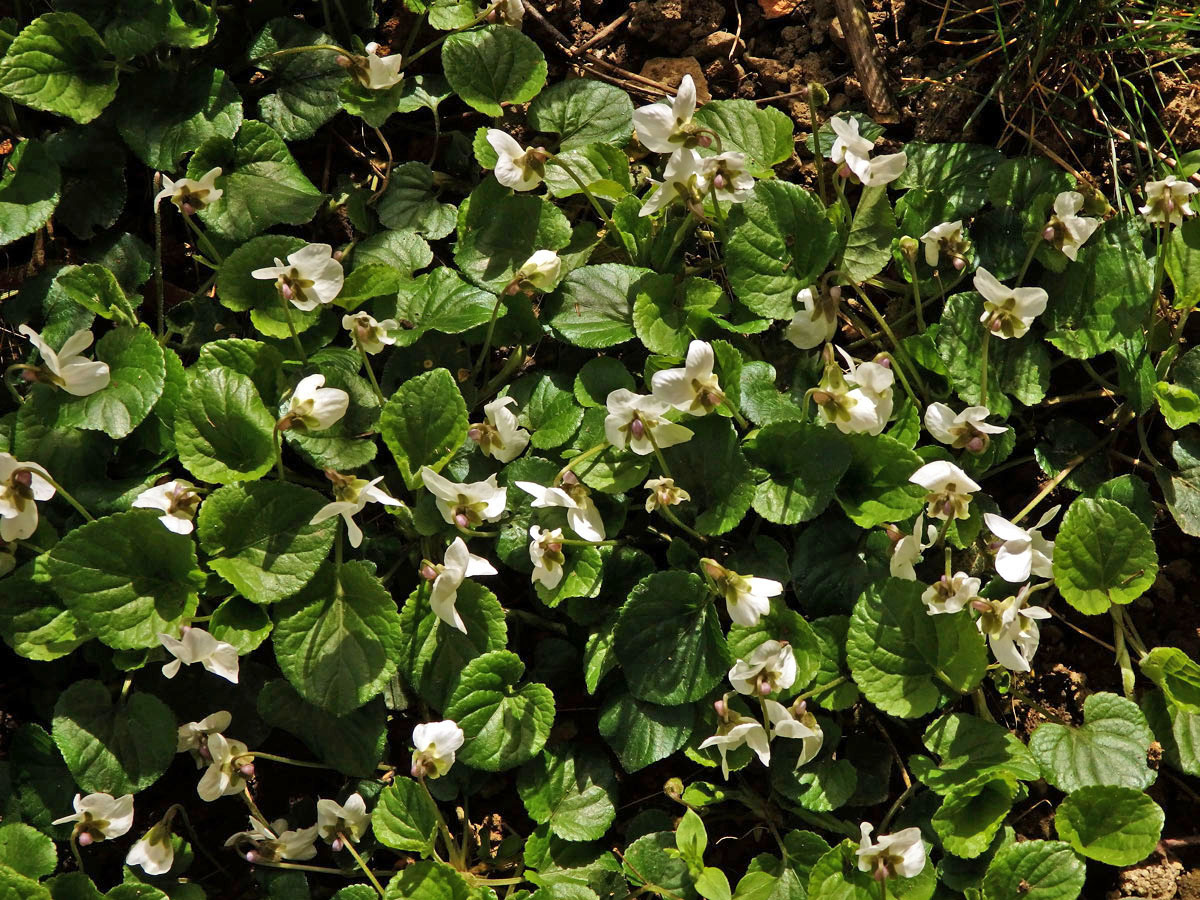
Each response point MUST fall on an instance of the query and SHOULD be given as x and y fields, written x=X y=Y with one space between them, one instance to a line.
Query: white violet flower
x=665 y=128
x=1067 y=230
x=229 y=766
x=637 y=422
x=734 y=730
x=274 y=842
x=375 y=72
x=1168 y=201
x=516 y=167
x=540 y=272
x=968 y=429
x=511 y=13
x=465 y=505
x=725 y=175
x=747 y=598
x=189 y=194
x=693 y=389
x=815 y=322
x=545 y=552
x=852 y=150
x=350 y=819
x=1011 y=627
x=663 y=493
x=67 y=369
x=434 y=746
x=902 y=853
x=499 y=435
x=797 y=723
x=907 y=550
x=1022 y=551
x=950 y=595
x=98 y=817
x=192 y=737
x=22 y=486
x=1008 y=312
x=582 y=515
x=367 y=333
x=198 y=646
x=683 y=179
x=177 y=500
x=945 y=238
x=351 y=495
x=949 y=489
x=771 y=668
x=459 y=564
x=153 y=851
x=858 y=400
x=314 y=407
x=311 y=277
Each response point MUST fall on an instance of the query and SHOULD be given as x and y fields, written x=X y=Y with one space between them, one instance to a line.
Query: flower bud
x=570 y=478
x=461 y=520
x=894 y=534
x=673 y=788
x=835 y=293
x=428 y=572
x=947 y=507
x=764 y=687
x=817 y=94
x=718 y=181
x=22 y=478
x=704 y=140
x=883 y=360
x=337 y=255
x=474 y=434
x=205 y=752
x=187 y=208
x=721 y=709
x=909 y=247
x=336 y=845
x=959 y=263
x=84 y=838
x=343 y=61
x=821 y=397
x=981 y=605
x=637 y=429
x=247 y=770
x=286 y=290
x=251 y=857
x=1048 y=233
x=844 y=172
x=554 y=547
x=977 y=444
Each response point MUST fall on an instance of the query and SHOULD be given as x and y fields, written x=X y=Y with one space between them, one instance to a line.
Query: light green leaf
x=803 y=462
x=572 y=791
x=263 y=185
x=902 y=658
x=972 y=752
x=582 y=576
x=1109 y=749
x=669 y=641
x=33 y=620
x=763 y=133
x=259 y=362
x=1182 y=261
x=598 y=378
x=779 y=242
x=1103 y=554
x=602 y=168
x=137 y=373
x=404 y=818
x=222 y=429
x=493 y=65
x=1180 y=406
x=338 y=640
x=259 y=539
x=875 y=488
x=869 y=244
x=505 y=725
x=499 y=230
x=761 y=401
x=432 y=653
x=643 y=733
x=29 y=191
x=648 y=864
x=427 y=880
x=127 y=577
x=667 y=315
x=59 y=64
x=95 y=288
x=424 y=423
x=352 y=744
x=440 y=301
x=1176 y=674
x=305 y=94
x=26 y=850
x=583 y=111
x=163 y=114
x=593 y=305
x=402 y=251
x=712 y=884
x=1018 y=367
x=410 y=203
x=192 y=24
x=1114 y=825
x=1034 y=870
x=15 y=886
x=116 y=749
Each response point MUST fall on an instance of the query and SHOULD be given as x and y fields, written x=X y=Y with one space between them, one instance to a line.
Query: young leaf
x=583 y=111
x=1176 y=674
x=117 y=748
x=1034 y=870
x=424 y=423
x=1109 y=749
x=572 y=792
x=440 y=301
x=127 y=577
x=222 y=430
x=58 y=64
x=404 y=818
x=29 y=192
x=493 y=65
x=1114 y=825
x=1103 y=554
x=26 y=850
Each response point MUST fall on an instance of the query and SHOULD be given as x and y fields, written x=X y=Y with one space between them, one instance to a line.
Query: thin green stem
x=258 y=813
x=300 y=867
x=337 y=557
x=258 y=754
x=669 y=515
x=718 y=216
x=362 y=863
x=685 y=228
x=891 y=335
x=387 y=172
x=307 y=48
x=608 y=222
x=487 y=338
x=737 y=416
x=1168 y=356
x=1066 y=471
x=514 y=362
x=916 y=290
x=277 y=442
x=657 y=453
x=287 y=315
x=370 y=372
x=203 y=239
x=576 y=460
x=1033 y=248
x=447 y=837
x=487 y=11
x=1122 y=653
x=67 y=496
x=895 y=807
x=983 y=366
x=818 y=156
x=821 y=688
x=158 y=259
x=75 y=851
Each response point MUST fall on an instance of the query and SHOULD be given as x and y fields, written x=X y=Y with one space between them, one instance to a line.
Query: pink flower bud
x=247 y=770
x=570 y=478
x=187 y=209
x=995 y=545
x=205 y=752
x=885 y=361
x=336 y=845
x=764 y=687
x=981 y=606
x=959 y=262
x=343 y=61
x=428 y=572
x=704 y=140
x=286 y=290
x=996 y=325
x=718 y=181
x=1168 y=203
x=554 y=547
x=835 y=292
x=1048 y=234
x=947 y=507
x=251 y=857
x=337 y=254
x=461 y=520
x=721 y=709
x=637 y=429
x=22 y=478
x=845 y=172
x=84 y=839
x=976 y=444
x=474 y=434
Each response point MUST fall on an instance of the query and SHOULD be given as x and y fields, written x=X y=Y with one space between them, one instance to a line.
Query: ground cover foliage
x=529 y=519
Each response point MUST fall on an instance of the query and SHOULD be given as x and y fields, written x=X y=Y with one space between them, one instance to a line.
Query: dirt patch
x=1154 y=881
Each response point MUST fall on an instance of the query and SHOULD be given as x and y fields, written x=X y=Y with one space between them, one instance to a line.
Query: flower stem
x=681 y=233
x=575 y=460
x=818 y=156
x=1122 y=653
x=387 y=172
x=670 y=516
x=983 y=366
x=1037 y=242
x=916 y=289
x=67 y=496
x=257 y=754
x=75 y=851
x=608 y=222
x=370 y=372
x=362 y=863
x=277 y=440
x=891 y=336
x=307 y=48
x=737 y=416
x=487 y=11
x=258 y=813
x=573 y=542
x=287 y=315
x=158 y=259
x=658 y=453
x=487 y=338
x=822 y=688
x=718 y=216
x=203 y=240
x=451 y=846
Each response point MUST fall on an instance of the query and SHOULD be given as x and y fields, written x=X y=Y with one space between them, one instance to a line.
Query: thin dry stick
x=864 y=53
